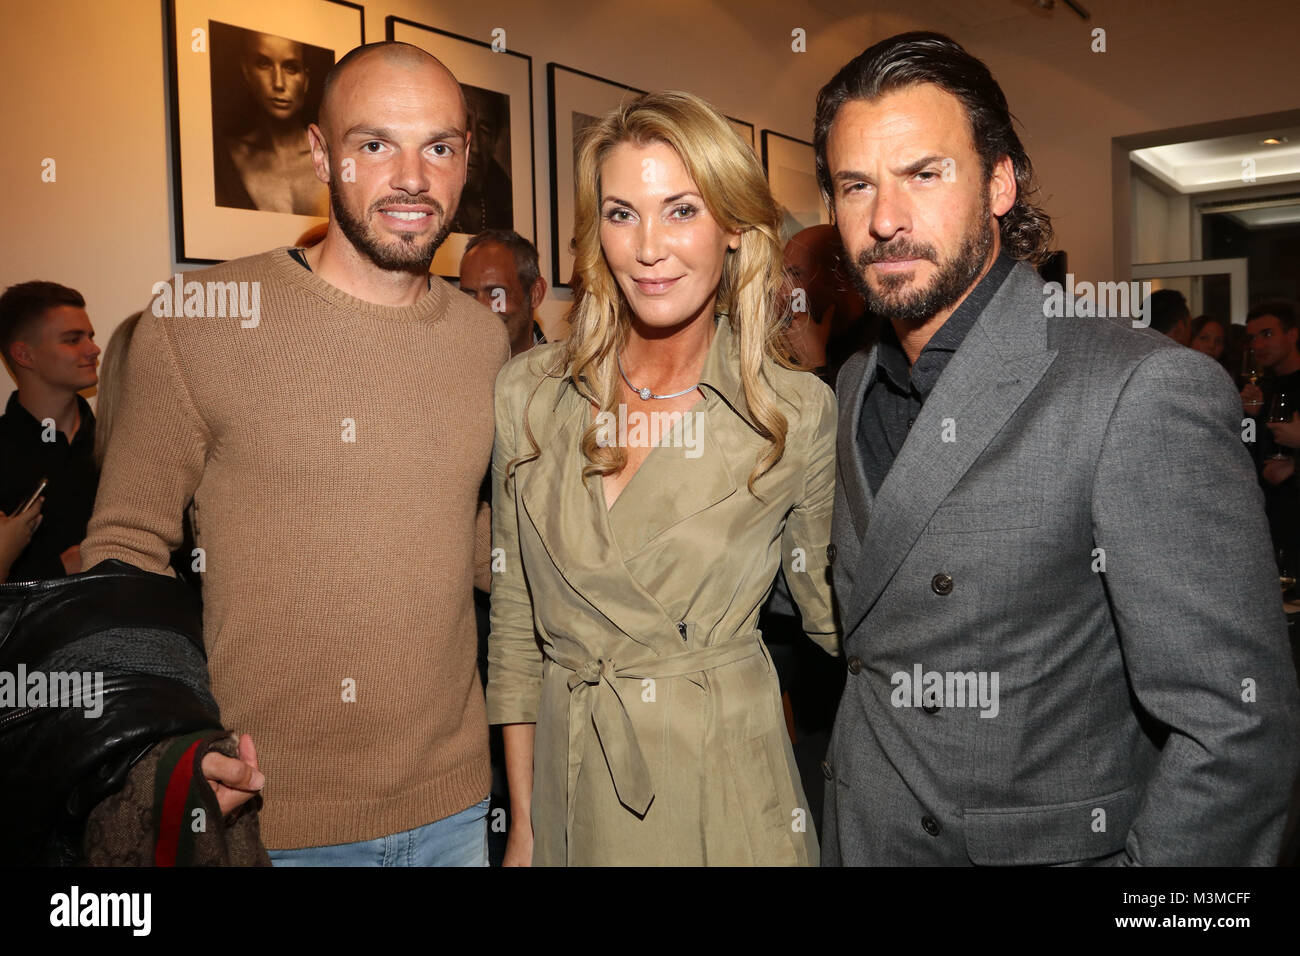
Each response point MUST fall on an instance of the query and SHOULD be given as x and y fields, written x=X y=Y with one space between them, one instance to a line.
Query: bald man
x=331 y=435
x=830 y=320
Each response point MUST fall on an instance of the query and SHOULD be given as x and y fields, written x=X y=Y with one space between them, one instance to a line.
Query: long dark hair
x=922 y=57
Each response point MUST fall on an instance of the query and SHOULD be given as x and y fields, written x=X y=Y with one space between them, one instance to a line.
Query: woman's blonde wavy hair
x=732 y=184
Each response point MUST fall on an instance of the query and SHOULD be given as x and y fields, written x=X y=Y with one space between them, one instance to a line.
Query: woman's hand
x=519 y=843
x=1252 y=398
x=518 y=740
x=16 y=533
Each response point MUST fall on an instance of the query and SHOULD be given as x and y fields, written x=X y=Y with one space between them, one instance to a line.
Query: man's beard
x=950 y=282
x=410 y=254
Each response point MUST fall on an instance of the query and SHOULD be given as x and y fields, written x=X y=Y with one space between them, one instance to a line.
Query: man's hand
x=1278 y=470
x=234 y=781
x=1252 y=398
x=1286 y=433
x=16 y=532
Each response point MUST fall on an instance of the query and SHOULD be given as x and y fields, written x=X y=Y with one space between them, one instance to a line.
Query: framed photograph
x=576 y=99
x=791 y=168
x=246 y=81
x=744 y=130
x=500 y=186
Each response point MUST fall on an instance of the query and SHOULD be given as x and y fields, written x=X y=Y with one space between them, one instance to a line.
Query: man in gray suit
x=1061 y=618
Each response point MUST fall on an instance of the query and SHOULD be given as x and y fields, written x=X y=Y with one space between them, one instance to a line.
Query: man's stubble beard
x=410 y=255
x=951 y=281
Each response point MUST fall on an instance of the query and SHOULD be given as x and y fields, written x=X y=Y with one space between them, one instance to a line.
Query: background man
x=833 y=322
x=500 y=270
x=1054 y=656
x=334 y=453
x=1170 y=315
x=47 y=430
x=1272 y=333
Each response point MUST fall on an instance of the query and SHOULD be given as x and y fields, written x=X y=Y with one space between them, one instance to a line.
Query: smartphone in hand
x=31 y=499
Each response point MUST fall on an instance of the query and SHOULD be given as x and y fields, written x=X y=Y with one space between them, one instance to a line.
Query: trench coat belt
x=593 y=700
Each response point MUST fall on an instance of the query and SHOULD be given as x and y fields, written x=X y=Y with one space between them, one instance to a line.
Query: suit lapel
x=997 y=366
x=852 y=476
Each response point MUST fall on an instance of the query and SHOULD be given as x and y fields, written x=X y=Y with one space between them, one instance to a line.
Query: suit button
x=827 y=772
x=830 y=554
x=941 y=583
x=930 y=825
x=855 y=665
x=930 y=708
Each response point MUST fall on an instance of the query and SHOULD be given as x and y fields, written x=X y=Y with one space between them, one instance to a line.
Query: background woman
x=1210 y=337
x=648 y=728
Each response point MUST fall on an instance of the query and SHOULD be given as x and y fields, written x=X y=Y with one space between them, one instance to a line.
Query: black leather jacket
x=143 y=633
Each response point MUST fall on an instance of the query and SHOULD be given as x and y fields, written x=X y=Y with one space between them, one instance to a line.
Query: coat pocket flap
x=1057 y=833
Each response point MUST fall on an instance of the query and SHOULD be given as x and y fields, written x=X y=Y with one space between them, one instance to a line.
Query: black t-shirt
x=70 y=496
x=1271 y=385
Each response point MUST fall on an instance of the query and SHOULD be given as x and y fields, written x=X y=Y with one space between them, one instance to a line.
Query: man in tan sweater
x=332 y=432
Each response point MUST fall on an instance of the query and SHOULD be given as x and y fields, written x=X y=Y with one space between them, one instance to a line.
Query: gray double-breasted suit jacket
x=1061 y=615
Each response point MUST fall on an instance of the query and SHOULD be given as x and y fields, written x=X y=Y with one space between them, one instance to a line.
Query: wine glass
x=1285 y=571
x=1251 y=372
x=1280 y=410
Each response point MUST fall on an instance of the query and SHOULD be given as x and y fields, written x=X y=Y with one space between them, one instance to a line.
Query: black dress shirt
x=897 y=392
x=70 y=497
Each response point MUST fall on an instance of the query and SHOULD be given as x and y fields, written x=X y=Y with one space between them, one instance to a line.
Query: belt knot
x=592 y=672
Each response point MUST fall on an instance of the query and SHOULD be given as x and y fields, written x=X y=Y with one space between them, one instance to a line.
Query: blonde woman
x=650 y=475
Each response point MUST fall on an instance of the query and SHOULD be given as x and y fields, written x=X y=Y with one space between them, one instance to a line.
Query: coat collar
x=720 y=374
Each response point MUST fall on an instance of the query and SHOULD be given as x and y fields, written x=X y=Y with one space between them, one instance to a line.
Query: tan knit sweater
x=338 y=613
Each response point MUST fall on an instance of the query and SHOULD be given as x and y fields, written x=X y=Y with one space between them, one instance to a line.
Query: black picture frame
x=496 y=78
x=565 y=80
x=566 y=89
x=791 y=169
x=745 y=131
x=216 y=218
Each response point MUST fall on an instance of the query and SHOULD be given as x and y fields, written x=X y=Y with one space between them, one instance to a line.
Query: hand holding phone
x=16 y=531
x=31 y=499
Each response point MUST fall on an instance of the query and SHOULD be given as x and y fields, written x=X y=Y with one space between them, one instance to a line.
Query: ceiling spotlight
x=1273 y=141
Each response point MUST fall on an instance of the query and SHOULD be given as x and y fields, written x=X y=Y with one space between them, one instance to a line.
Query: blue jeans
x=457 y=840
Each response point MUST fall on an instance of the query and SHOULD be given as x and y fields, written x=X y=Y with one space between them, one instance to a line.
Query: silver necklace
x=645 y=393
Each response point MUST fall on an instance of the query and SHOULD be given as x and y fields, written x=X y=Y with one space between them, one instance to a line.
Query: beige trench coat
x=660 y=734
